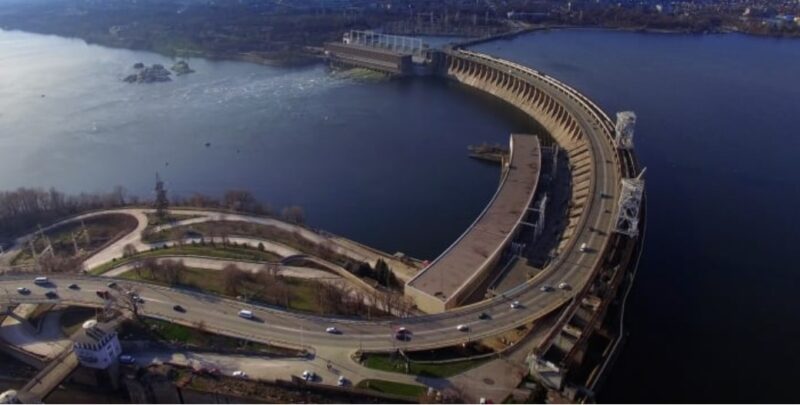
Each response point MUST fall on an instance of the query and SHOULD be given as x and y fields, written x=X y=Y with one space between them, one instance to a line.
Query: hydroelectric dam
x=554 y=252
x=593 y=257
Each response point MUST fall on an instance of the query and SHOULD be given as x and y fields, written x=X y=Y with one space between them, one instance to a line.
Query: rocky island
x=151 y=74
x=181 y=68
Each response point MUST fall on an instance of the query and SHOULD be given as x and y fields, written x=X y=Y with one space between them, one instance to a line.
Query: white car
x=462 y=328
x=332 y=330
x=342 y=381
x=41 y=280
x=239 y=373
x=127 y=359
x=309 y=375
x=516 y=305
x=584 y=247
x=564 y=286
x=246 y=314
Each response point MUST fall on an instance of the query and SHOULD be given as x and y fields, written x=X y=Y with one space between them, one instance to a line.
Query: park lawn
x=303 y=295
x=201 y=279
x=437 y=370
x=394 y=388
x=212 y=251
x=302 y=292
x=250 y=230
x=177 y=333
x=155 y=220
x=98 y=231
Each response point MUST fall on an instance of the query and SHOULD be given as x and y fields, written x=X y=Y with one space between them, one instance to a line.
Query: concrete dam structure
x=571 y=305
x=573 y=121
x=597 y=250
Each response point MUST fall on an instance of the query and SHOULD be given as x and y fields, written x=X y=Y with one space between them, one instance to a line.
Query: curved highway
x=429 y=331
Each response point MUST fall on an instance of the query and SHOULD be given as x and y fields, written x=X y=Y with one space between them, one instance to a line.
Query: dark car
x=73 y=286
x=178 y=308
x=112 y=285
x=51 y=295
x=103 y=294
x=402 y=334
x=484 y=316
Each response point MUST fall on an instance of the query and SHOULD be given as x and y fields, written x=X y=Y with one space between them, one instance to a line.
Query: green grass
x=155 y=220
x=176 y=333
x=302 y=292
x=101 y=229
x=213 y=251
x=251 y=230
x=393 y=388
x=201 y=279
x=437 y=370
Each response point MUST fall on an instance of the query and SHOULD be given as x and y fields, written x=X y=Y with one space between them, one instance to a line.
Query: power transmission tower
x=86 y=235
x=161 y=203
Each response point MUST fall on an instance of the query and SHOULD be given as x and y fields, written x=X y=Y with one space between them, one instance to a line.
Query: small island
x=151 y=74
x=181 y=68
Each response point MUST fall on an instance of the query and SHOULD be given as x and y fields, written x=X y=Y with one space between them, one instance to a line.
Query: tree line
x=23 y=209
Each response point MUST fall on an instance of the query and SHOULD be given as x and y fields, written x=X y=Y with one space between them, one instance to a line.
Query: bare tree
x=162 y=202
x=233 y=278
x=59 y=264
x=126 y=300
x=128 y=250
x=171 y=271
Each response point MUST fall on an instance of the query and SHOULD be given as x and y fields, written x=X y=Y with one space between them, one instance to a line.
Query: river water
x=382 y=162
x=714 y=312
x=713 y=315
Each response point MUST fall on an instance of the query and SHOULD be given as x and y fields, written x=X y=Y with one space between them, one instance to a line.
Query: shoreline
x=310 y=55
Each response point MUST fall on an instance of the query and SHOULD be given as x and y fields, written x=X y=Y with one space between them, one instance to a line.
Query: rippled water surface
x=383 y=162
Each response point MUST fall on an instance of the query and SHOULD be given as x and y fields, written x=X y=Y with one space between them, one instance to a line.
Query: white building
x=97 y=346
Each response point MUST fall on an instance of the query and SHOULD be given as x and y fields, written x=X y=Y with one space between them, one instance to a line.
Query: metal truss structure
x=395 y=43
x=629 y=204
x=626 y=121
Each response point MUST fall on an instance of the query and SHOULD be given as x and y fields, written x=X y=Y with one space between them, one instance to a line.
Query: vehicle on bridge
x=402 y=334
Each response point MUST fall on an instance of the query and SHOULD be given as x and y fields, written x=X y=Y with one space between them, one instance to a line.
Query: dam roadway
x=578 y=126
